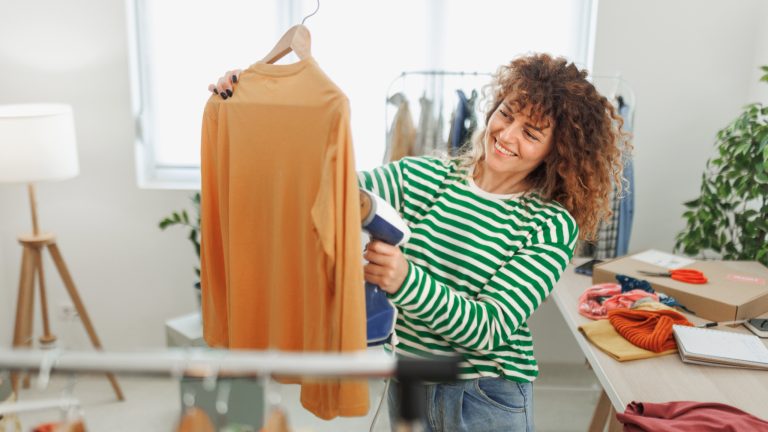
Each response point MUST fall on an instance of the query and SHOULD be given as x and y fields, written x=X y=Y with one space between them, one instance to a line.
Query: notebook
x=720 y=348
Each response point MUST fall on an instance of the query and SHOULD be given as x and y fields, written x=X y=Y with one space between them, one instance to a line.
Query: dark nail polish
x=216 y=91
x=234 y=78
x=224 y=95
x=229 y=92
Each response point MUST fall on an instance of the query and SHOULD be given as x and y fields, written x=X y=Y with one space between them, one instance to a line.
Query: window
x=180 y=47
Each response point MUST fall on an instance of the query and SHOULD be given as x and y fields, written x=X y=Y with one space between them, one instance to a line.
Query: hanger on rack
x=296 y=39
x=193 y=419
x=276 y=419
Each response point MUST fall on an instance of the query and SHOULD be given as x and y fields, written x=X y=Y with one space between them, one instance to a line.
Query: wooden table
x=658 y=379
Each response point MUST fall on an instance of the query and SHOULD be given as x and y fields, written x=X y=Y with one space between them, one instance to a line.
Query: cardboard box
x=735 y=290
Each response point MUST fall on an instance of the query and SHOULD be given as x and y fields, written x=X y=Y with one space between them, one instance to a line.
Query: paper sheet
x=663 y=259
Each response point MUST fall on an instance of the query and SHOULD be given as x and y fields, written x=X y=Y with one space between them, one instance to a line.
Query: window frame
x=152 y=175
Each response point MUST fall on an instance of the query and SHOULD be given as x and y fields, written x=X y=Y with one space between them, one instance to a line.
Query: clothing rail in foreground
x=199 y=362
x=203 y=362
x=38 y=405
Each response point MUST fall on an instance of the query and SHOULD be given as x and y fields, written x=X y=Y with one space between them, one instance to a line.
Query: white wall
x=130 y=275
x=758 y=91
x=693 y=65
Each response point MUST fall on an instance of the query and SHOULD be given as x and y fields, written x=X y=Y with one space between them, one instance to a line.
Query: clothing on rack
x=195 y=420
x=401 y=137
x=276 y=422
x=280 y=246
x=69 y=426
x=429 y=130
x=627 y=202
x=8 y=422
x=463 y=122
x=614 y=234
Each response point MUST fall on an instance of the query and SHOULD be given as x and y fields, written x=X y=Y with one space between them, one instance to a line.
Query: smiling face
x=515 y=144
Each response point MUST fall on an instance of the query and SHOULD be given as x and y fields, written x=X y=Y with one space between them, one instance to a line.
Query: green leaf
x=693 y=203
x=165 y=223
x=765 y=158
x=185 y=216
x=762 y=177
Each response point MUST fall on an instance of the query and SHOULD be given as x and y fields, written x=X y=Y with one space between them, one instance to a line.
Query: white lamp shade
x=37 y=142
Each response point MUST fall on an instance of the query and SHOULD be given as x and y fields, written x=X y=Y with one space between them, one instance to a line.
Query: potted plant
x=182 y=219
x=730 y=216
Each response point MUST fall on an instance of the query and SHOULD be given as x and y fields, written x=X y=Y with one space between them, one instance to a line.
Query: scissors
x=690 y=276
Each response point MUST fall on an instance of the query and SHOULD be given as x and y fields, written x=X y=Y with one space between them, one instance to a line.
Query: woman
x=492 y=232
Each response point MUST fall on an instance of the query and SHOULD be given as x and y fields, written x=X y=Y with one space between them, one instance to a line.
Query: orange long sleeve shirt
x=280 y=249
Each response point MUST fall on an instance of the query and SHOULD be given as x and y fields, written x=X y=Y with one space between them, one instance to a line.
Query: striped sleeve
x=504 y=304
x=385 y=181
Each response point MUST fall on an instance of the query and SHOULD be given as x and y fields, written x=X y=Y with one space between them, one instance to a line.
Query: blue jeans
x=482 y=404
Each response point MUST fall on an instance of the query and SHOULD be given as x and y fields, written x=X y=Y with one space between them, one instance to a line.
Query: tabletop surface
x=665 y=378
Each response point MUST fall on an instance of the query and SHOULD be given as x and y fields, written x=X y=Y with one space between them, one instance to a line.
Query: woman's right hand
x=224 y=87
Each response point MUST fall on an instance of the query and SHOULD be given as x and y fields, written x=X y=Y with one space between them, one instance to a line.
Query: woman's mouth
x=501 y=150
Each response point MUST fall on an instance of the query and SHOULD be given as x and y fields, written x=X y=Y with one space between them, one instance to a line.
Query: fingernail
x=224 y=95
x=216 y=91
x=234 y=78
x=229 y=92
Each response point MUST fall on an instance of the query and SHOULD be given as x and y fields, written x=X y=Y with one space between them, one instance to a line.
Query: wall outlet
x=68 y=312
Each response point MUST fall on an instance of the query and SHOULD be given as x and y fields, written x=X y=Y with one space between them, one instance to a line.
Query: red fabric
x=688 y=417
x=594 y=305
x=651 y=330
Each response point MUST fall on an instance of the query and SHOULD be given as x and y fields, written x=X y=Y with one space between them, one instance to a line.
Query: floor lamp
x=37 y=143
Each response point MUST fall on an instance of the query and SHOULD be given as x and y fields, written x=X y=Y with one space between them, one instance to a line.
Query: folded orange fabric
x=651 y=330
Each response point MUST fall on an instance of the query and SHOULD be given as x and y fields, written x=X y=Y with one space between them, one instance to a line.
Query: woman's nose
x=510 y=134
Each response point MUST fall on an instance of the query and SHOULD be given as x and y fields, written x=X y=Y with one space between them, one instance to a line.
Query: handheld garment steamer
x=382 y=222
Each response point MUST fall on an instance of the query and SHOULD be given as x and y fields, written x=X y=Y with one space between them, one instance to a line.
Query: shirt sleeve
x=504 y=304
x=386 y=181
x=213 y=202
x=336 y=217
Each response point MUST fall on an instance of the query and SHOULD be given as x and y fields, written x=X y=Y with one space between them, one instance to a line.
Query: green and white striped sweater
x=479 y=265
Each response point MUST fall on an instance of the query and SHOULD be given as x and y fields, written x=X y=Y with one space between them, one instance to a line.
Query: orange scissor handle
x=688 y=276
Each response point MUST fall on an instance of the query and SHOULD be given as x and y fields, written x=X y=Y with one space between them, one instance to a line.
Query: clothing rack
x=199 y=362
x=431 y=98
x=401 y=79
x=38 y=405
x=213 y=363
x=614 y=86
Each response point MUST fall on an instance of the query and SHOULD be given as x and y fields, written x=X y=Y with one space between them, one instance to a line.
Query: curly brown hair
x=585 y=164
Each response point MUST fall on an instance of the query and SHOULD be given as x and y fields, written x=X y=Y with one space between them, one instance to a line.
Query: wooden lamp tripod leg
x=73 y=294
x=47 y=338
x=22 y=332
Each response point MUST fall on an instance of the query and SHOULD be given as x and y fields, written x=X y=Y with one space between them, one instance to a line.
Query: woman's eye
x=504 y=114
x=532 y=136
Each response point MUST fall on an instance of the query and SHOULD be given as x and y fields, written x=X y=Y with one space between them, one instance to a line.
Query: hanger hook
x=49 y=361
x=316 y=9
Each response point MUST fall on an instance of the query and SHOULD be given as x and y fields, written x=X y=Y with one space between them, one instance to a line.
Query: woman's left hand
x=387 y=267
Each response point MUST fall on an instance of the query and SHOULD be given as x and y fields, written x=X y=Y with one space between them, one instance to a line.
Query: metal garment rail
x=199 y=362
x=38 y=405
x=220 y=363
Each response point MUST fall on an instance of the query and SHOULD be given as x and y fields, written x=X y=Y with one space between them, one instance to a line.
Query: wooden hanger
x=296 y=39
